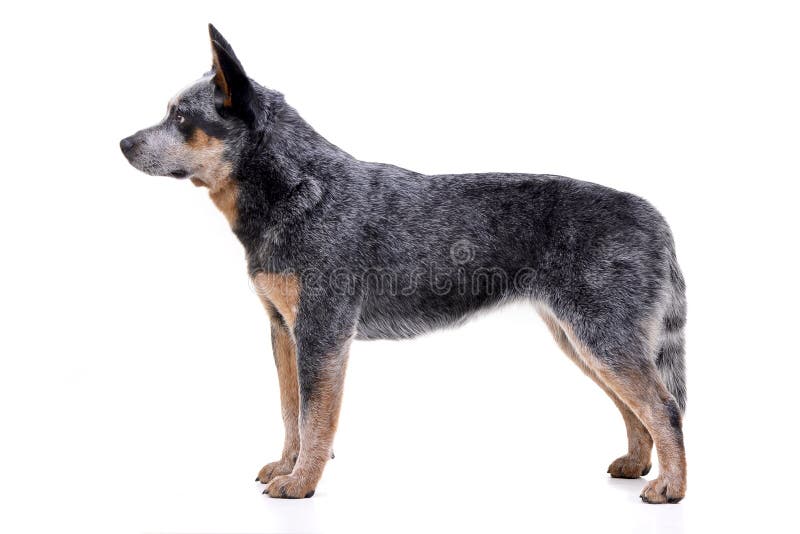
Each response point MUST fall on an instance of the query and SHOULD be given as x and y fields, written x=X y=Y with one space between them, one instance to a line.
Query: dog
x=341 y=249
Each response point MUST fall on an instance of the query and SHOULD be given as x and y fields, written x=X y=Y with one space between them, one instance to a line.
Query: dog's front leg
x=322 y=352
x=283 y=349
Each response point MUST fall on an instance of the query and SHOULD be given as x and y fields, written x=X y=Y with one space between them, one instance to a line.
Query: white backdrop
x=137 y=390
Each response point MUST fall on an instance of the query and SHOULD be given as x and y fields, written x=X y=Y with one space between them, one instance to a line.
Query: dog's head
x=207 y=124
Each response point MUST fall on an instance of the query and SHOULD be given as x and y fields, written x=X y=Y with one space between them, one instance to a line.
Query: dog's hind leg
x=636 y=462
x=634 y=378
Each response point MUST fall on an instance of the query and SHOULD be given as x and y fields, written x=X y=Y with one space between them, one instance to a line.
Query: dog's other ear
x=234 y=93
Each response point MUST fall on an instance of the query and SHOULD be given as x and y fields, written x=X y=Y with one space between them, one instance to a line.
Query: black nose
x=126 y=145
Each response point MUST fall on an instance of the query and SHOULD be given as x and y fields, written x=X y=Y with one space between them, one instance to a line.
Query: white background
x=137 y=389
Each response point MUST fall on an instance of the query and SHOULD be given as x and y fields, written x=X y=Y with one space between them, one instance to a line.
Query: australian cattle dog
x=341 y=249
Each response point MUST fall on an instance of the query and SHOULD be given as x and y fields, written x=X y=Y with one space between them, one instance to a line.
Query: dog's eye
x=180 y=119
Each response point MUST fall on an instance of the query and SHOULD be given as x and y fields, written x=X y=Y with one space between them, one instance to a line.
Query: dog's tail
x=670 y=355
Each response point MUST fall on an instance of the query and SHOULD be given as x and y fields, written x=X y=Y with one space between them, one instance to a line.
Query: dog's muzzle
x=127 y=145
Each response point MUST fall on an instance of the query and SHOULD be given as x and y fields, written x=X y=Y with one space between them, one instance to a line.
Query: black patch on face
x=193 y=121
x=212 y=128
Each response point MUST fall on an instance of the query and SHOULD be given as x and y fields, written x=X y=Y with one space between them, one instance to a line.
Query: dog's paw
x=664 y=489
x=290 y=487
x=629 y=467
x=274 y=469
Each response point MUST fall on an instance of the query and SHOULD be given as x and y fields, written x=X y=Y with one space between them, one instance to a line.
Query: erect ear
x=234 y=92
x=214 y=34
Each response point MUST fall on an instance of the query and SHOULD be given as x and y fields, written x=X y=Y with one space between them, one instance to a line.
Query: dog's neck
x=279 y=180
x=291 y=166
x=222 y=190
x=294 y=152
x=224 y=197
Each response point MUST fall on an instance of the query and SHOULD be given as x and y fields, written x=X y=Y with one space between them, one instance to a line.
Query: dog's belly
x=405 y=317
x=402 y=327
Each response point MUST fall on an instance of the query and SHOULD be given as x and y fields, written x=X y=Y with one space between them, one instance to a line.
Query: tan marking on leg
x=285 y=354
x=640 y=445
x=643 y=391
x=317 y=427
x=281 y=291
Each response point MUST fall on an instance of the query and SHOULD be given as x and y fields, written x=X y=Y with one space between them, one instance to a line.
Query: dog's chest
x=224 y=197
